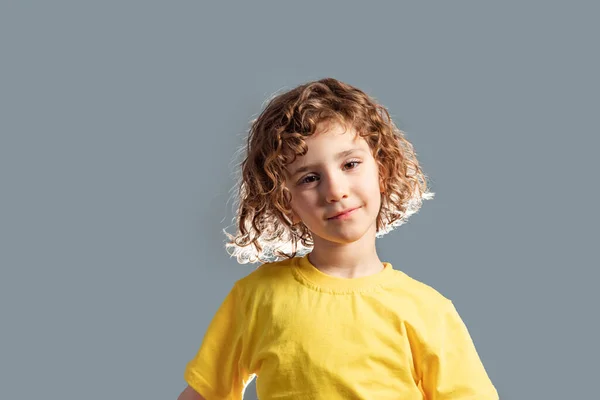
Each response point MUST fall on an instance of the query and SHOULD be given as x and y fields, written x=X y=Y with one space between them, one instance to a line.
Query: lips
x=343 y=212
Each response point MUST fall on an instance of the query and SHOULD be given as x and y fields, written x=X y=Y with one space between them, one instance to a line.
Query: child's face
x=338 y=173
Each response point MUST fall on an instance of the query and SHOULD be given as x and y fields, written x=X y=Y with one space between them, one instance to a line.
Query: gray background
x=120 y=122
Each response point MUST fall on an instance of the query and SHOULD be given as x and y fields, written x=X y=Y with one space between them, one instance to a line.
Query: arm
x=190 y=394
x=217 y=371
x=453 y=369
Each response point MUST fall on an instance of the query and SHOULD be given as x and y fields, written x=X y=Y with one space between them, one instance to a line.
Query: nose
x=335 y=188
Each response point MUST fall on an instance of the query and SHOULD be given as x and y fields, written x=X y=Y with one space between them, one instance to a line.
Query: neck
x=346 y=260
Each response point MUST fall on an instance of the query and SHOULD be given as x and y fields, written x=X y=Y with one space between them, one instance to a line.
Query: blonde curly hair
x=265 y=232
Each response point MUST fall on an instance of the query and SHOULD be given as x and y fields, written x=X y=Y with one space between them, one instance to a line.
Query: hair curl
x=265 y=231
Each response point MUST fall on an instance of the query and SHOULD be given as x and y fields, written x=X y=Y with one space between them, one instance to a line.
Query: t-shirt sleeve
x=216 y=372
x=453 y=369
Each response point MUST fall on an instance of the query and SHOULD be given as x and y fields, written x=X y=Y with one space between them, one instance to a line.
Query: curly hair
x=265 y=232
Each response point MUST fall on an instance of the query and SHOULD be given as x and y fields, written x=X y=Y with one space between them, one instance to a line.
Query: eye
x=352 y=164
x=307 y=179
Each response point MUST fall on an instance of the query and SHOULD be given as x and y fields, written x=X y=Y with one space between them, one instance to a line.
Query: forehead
x=334 y=134
x=327 y=142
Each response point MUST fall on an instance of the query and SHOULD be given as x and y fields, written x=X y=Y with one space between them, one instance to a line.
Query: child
x=326 y=172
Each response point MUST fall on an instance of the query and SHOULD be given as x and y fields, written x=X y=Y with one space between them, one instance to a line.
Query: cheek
x=374 y=181
x=300 y=203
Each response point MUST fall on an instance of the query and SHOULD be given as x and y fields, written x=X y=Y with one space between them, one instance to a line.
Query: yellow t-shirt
x=309 y=335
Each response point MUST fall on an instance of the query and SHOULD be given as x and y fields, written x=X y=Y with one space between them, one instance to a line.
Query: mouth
x=344 y=213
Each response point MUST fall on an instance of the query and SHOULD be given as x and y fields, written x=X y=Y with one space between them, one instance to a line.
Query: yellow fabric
x=309 y=335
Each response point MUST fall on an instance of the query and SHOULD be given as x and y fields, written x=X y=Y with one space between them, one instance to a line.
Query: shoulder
x=267 y=275
x=269 y=283
x=425 y=311
x=420 y=294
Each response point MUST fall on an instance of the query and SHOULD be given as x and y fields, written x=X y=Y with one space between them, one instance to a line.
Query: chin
x=344 y=236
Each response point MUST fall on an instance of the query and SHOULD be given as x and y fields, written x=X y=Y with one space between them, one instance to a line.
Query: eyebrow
x=339 y=155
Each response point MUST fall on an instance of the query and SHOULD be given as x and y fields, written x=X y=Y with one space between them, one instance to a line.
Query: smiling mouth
x=345 y=213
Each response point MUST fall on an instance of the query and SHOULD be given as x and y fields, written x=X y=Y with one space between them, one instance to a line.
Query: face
x=338 y=174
